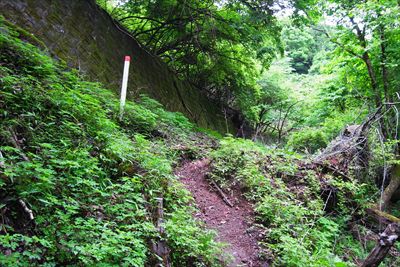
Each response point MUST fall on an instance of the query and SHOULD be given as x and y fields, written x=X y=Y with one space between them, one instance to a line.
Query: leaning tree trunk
x=394 y=184
x=385 y=243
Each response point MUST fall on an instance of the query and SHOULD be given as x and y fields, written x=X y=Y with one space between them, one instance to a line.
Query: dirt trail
x=231 y=223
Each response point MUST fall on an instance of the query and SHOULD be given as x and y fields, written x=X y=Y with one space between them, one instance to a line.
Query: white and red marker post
x=124 y=85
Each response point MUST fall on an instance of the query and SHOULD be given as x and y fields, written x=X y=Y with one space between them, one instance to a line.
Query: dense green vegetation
x=340 y=54
x=291 y=205
x=90 y=179
x=221 y=48
x=93 y=181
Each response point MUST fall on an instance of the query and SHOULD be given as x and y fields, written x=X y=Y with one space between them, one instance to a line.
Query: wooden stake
x=160 y=247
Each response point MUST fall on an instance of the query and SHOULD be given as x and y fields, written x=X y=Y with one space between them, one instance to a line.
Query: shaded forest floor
x=232 y=224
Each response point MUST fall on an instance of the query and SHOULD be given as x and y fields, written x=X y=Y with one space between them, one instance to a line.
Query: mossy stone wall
x=87 y=38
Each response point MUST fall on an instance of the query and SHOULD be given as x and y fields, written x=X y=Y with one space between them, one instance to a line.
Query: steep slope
x=77 y=185
x=88 y=39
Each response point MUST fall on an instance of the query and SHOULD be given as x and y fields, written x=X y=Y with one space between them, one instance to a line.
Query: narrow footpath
x=232 y=224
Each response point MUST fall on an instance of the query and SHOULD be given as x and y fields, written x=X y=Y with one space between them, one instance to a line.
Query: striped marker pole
x=124 y=85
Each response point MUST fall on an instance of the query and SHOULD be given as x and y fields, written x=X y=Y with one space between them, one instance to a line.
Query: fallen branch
x=26 y=209
x=14 y=140
x=186 y=148
x=366 y=235
x=1 y=160
x=222 y=194
x=333 y=170
x=384 y=244
x=381 y=217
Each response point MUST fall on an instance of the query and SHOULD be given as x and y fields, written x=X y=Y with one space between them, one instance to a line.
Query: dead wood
x=383 y=246
x=2 y=166
x=160 y=247
x=222 y=194
x=1 y=160
x=188 y=148
x=346 y=148
x=380 y=217
x=350 y=148
x=351 y=145
x=16 y=143
x=160 y=215
x=26 y=209
x=334 y=170
x=365 y=235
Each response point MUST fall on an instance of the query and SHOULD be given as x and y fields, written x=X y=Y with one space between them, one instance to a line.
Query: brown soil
x=231 y=223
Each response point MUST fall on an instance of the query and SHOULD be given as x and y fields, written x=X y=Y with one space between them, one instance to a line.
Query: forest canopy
x=225 y=49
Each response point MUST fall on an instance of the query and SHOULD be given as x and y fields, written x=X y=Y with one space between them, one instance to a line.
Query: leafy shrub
x=297 y=230
x=90 y=179
x=308 y=140
x=235 y=163
x=189 y=245
x=136 y=118
x=174 y=119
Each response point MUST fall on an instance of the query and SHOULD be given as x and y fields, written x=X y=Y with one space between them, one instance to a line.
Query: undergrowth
x=304 y=213
x=90 y=179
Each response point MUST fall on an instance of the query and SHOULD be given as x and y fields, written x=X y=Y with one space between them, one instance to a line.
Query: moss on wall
x=87 y=38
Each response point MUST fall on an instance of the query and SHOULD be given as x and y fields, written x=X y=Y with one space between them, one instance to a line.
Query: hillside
x=88 y=39
x=81 y=185
x=90 y=180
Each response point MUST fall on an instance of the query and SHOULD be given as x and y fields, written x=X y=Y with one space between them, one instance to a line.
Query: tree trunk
x=385 y=242
x=372 y=76
x=394 y=184
x=385 y=74
x=367 y=60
